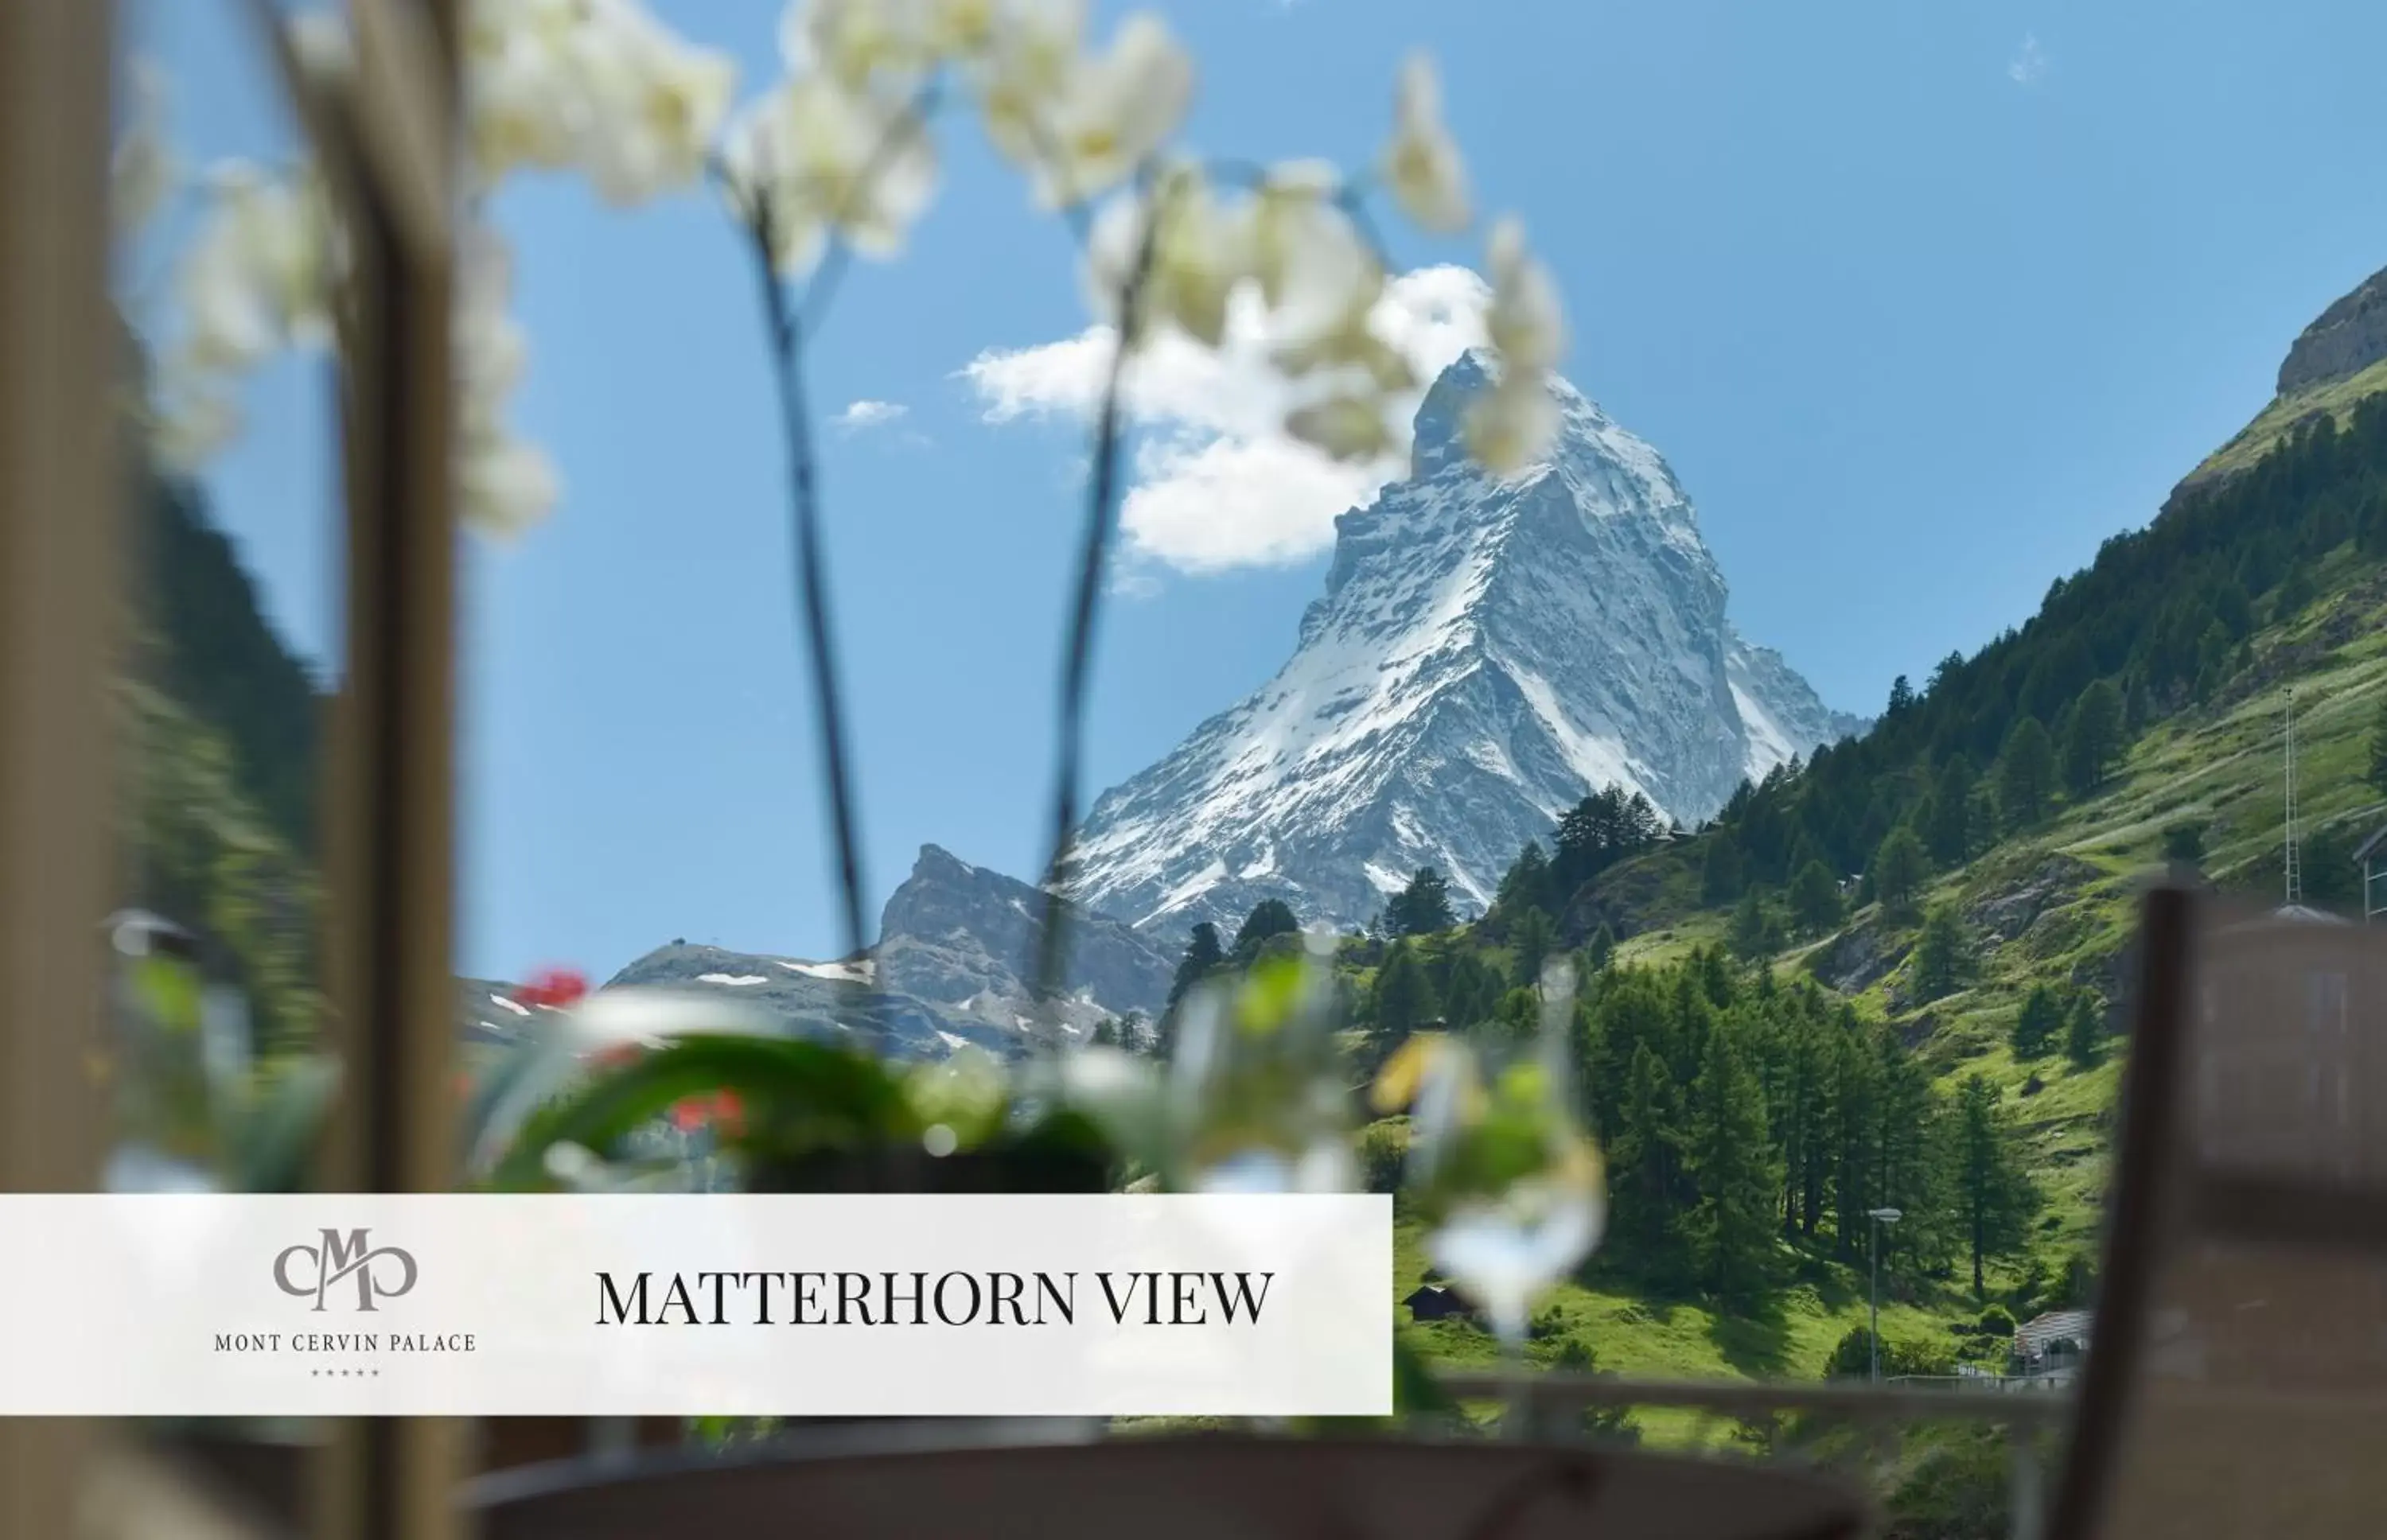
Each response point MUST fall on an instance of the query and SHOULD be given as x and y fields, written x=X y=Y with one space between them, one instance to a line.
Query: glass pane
x=227 y=253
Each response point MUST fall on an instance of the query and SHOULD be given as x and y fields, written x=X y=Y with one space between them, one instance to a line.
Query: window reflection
x=226 y=257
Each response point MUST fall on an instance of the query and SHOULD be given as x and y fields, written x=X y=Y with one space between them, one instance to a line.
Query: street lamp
x=1879 y=1217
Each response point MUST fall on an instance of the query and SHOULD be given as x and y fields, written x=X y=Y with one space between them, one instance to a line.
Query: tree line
x=2159 y=623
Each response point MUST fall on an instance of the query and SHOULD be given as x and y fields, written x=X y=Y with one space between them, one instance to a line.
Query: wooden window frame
x=386 y=137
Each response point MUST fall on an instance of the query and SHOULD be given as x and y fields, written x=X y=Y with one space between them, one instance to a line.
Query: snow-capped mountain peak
x=1487 y=651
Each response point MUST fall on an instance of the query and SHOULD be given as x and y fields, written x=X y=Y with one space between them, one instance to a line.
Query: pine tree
x=2084 y=1032
x=2094 y=740
x=1422 y=907
x=1902 y=696
x=1814 y=899
x=1645 y=1146
x=1912 y=1161
x=2036 y=1026
x=1750 y=928
x=1719 y=875
x=1939 y=956
x=2025 y=774
x=1948 y=831
x=1202 y=954
x=1269 y=919
x=1530 y=882
x=1532 y=939
x=1470 y=988
x=1600 y=949
x=1995 y=1194
x=1898 y=873
x=1732 y=1160
x=1856 y=1107
x=1404 y=998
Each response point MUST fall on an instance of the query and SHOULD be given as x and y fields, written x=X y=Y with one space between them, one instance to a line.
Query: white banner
x=469 y=1304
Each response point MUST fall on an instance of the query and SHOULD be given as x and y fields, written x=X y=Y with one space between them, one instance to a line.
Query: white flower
x=194 y=418
x=859 y=43
x=1200 y=252
x=655 y=104
x=490 y=349
x=962 y=28
x=1112 y=113
x=504 y=485
x=1347 y=425
x=258 y=276
x=1318 y=275
x=525 y=109
x=813 y=156
x=594 y=85
x=1523 y=322
x=321 y=45
x=1421 y=163
x=1028 y=63
x=143 y=172
x=1509 y=427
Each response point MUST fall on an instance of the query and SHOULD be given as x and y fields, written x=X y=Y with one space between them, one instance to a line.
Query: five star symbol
x=343 y=1374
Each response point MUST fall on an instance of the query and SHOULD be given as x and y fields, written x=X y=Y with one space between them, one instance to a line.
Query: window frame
x=385 y=134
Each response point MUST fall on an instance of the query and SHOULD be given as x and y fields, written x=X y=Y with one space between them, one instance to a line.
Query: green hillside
x=1896 y=974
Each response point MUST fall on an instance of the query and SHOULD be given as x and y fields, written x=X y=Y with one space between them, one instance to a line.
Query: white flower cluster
x=256 y=279
x=841 y=150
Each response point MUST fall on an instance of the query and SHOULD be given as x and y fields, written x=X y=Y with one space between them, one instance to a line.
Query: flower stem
x=1094 y=555
x=803 y=487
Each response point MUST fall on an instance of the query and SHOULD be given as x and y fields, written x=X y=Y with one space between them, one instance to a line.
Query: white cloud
x=2030 y=62
x=862 y=416
x=1216 y=482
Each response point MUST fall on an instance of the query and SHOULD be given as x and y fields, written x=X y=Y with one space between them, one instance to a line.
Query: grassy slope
x=2217 y=765
x=2274 y=422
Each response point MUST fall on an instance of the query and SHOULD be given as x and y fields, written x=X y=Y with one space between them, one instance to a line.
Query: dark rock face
x=953 y=966
x=954 y=931
x=2054 y=882
x=2347 y=339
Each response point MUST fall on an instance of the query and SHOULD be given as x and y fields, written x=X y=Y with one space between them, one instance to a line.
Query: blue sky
x=1921 y=302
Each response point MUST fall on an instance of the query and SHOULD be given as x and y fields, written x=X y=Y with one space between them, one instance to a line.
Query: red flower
x=720 y=1109
x=554 y=987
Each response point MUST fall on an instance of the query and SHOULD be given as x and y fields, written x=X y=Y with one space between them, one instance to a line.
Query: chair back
x=2236 y=1383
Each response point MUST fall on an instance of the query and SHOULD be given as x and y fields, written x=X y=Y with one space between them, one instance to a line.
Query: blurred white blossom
x=1511 y=424
x=1421 y=165
x=504 y=485
x=657 y=103
x=142 y=171
x=861 y=45
x=321 y=46
x=1201 y=250
x=193 y=417
x=811 y=157
x=1347 y=425
x=258 y=276
x=1109 y=114
x=1525 y=323
x=598 y=86
x=1025 y=65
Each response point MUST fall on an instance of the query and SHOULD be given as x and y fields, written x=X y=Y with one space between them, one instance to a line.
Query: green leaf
x=796 y=1096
